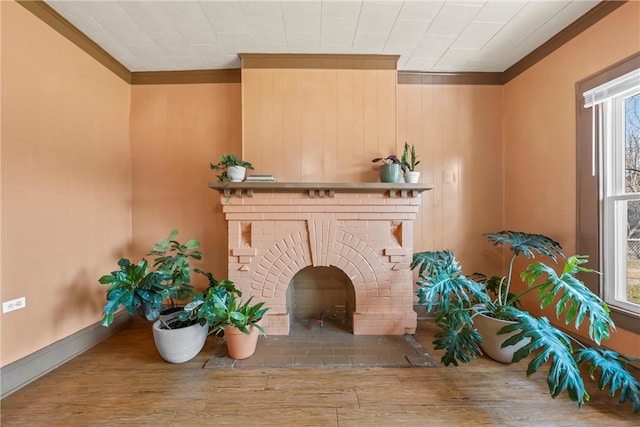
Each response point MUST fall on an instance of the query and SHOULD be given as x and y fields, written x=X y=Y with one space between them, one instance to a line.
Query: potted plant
x=173 y=259
x=148 y=291
x=409 y=162
x=391 y=169
x=239 y=320
x=232 y=168
x=458 y=302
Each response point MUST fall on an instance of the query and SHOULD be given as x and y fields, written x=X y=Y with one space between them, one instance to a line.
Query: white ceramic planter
x=179 y=345
x=492 y=342
x=411 y=177
x=236 y=173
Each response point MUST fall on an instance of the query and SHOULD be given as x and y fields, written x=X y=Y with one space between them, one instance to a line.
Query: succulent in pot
x=409 y=162
x=458 y=301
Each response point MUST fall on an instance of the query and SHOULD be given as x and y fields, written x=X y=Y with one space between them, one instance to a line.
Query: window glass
x=632 y=185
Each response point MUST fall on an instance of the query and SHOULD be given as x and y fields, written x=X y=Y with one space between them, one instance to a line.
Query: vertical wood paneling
x=266 y=99
x=292 y=127
x=251 y=113
x=66 y=182
x=369 y=100
x=330 y=126
x=176 y=131
x=386 y=104
x=312 y=115
x=458 y=137
x=277 y=125
x=347 y=170
x=368 y=173
x=334 y=120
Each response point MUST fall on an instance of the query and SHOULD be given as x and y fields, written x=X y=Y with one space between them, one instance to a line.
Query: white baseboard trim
x=18 y=374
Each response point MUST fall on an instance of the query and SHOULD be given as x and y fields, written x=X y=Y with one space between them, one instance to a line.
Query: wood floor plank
x=123 y=382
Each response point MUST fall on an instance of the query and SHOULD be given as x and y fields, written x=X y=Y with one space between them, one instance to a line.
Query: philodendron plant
x=454 y=300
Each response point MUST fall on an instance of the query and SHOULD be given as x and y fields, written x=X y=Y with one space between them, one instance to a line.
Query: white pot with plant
x=232 y=168
x=147 y=291
x=409 y=162
x=453 y=298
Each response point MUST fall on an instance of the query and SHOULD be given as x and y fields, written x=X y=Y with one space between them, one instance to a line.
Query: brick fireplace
x=275 y=230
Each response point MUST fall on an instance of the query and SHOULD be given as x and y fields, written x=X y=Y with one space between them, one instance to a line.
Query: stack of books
x=260 y=178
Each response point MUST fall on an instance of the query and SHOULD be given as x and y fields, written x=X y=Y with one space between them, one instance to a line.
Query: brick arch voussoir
x=360 y=253
x=287 y=257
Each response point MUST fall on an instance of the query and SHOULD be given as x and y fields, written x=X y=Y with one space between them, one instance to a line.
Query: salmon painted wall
x=457 y=132
x=326 y=124
x=66 y=182
x=176 y=130
x=540 y=134
x=319 y=125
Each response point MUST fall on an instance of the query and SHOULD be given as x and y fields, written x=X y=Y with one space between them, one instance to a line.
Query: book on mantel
x=260 y=178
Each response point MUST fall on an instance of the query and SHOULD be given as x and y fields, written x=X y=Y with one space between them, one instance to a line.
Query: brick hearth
x=365 y=230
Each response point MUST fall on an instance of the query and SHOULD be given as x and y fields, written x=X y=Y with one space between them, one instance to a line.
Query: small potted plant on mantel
x=231 y=168
x=474 y=312
x=409 y=162
x=391 y=169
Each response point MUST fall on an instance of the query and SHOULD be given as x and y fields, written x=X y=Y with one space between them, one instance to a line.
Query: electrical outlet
x=14 y=304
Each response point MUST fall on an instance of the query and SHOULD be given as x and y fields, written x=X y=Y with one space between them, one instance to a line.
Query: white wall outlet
x=14 y=304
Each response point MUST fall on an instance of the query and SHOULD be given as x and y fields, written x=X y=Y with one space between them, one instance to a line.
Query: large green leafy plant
x=144 y=290
x=456 y=299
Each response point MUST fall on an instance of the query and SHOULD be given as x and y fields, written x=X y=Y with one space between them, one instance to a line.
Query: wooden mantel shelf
x=319 y=189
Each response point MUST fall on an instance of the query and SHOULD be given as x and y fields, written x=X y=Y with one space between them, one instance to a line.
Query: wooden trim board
x=28 y=369
x=56 y=21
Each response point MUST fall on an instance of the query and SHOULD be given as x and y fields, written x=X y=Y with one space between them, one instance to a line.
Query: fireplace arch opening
x=321 y=293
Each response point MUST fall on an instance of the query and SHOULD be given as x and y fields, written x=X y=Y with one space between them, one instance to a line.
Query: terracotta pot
x=239 y=344
x=492 y=342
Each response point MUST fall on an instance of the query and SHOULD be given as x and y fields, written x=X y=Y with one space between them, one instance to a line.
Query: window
x=609 y=184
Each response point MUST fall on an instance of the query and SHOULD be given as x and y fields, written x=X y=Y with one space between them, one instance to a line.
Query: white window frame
x=609 y=113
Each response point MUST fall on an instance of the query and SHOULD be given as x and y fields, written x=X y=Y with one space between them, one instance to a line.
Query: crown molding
x=56 y=21
x=475 y=78
x=231 y=75
x=594 y=15
x=319 y=61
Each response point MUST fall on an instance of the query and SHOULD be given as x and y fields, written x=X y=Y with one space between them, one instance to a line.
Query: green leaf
x=435 y=260
x=445 y=290
x=108 y=278
x=192 y=244
x=613 y=373
x=526 y=244
x=459 y=344
x=546 y=344
x=575 y=298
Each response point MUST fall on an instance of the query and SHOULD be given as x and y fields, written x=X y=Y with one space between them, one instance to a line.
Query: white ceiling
x=429 y=35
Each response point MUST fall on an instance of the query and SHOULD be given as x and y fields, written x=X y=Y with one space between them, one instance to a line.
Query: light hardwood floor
x=123 y=381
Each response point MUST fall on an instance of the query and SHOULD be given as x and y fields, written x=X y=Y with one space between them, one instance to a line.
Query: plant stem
x=506 y=293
